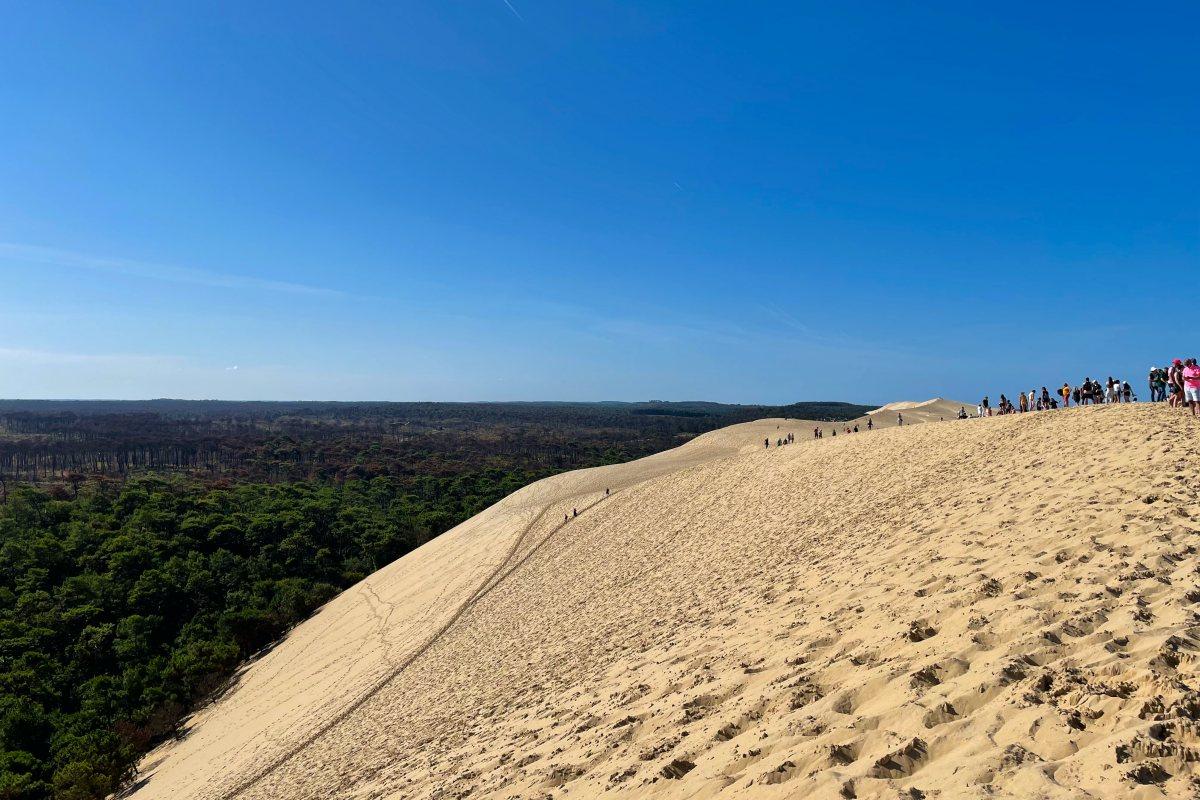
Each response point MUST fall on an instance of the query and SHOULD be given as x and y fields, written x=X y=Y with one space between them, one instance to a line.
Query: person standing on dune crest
x=1158 y=384
x=1175 y=383
x=1191 y=385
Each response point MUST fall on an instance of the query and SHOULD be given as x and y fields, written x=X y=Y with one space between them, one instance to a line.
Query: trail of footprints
x=847 y=719
x=1002 y=641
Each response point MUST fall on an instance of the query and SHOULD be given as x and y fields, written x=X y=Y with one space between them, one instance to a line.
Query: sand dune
x=938 y=405
x=982 y=608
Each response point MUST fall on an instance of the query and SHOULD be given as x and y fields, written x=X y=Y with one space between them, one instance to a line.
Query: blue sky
x=532 y=200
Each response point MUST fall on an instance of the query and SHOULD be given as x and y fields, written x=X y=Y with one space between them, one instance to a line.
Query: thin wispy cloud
x=515 y=12
x=30 y=357
x=27 y=254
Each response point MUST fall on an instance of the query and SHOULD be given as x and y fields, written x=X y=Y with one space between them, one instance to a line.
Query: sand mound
x=987 y=608
x=910 y=405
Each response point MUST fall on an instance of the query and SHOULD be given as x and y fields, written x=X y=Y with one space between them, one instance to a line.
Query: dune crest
x=980 y=608
x=910 y=405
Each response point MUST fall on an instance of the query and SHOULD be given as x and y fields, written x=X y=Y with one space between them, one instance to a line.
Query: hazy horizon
x=369 y=401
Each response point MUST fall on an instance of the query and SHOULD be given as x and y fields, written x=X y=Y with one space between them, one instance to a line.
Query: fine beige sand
x=1003 y=607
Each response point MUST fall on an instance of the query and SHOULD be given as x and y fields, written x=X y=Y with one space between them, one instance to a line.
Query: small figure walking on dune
x=870 y=423
x=767 y=443
x=1065 y=392
x=899 y=418
x=606 y=492
x=574 y=512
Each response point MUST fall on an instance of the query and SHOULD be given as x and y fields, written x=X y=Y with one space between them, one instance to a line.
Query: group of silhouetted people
x=1179 y=385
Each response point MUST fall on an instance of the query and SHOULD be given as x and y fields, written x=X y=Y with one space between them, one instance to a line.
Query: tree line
x=125 y=607
x=336 y=442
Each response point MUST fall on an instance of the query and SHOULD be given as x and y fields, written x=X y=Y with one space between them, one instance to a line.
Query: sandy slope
x=985 y=608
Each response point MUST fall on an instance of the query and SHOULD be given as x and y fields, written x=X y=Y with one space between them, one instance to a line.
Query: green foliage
x=120 y=610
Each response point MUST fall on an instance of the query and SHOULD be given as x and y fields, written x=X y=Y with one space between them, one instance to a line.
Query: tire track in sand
x=493 y=579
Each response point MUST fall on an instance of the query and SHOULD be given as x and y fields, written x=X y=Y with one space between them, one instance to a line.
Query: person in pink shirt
x=1191 y=386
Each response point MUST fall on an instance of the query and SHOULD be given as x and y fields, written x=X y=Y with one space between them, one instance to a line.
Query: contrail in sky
x=510 y=8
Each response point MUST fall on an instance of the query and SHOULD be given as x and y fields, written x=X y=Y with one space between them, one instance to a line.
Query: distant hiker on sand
x=870 y=423
x=1023 y=401
x=987 y=410
x=767 y=443
x=899 y=418
x=1191 y=386
x=575 y=512
x=1127 y=392
x=1065 y=393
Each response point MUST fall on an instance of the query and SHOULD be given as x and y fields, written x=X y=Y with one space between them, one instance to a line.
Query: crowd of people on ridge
x=1178 y=385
